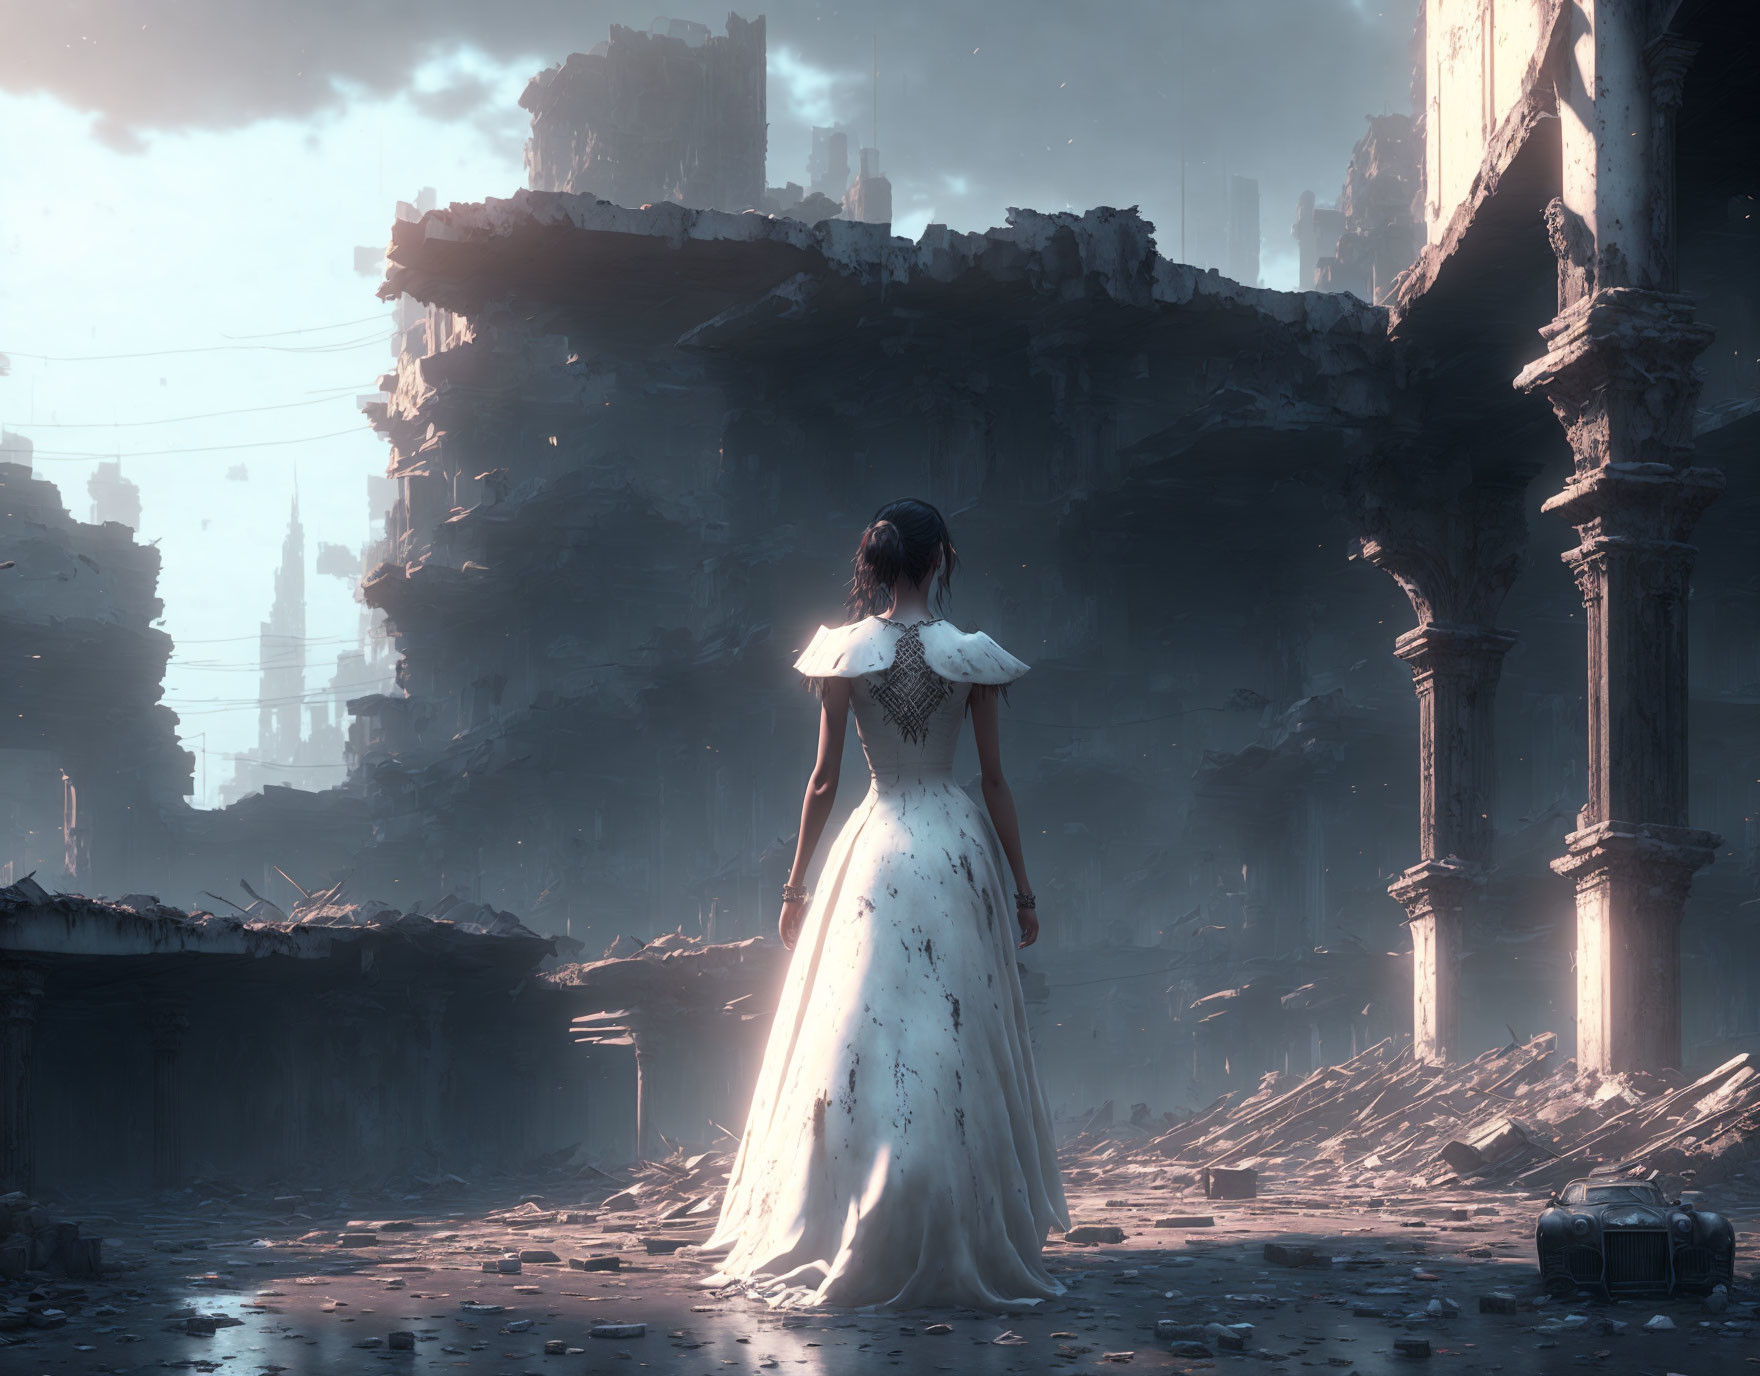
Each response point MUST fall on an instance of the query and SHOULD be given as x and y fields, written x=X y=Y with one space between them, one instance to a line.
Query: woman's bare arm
x=987 y=731
x=821 y=795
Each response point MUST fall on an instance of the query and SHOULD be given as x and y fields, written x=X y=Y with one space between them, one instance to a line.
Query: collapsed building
x=633 y=435
x=673 y=114
x=90 y=762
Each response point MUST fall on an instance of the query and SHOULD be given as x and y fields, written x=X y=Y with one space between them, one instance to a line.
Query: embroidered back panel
x=910 y=691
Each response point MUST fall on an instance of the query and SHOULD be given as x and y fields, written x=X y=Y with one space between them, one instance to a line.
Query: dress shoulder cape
x=868 y=646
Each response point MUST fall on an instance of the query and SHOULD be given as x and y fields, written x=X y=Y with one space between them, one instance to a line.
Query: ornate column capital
x=1619 y=371
x=1442 y=646
x=1635 y=508
x=1437 y=888
x=1662 y=857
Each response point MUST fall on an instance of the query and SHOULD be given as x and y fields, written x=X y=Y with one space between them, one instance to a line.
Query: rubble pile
x=31 y=1239
x=1517 y=1117
x=673 y=1201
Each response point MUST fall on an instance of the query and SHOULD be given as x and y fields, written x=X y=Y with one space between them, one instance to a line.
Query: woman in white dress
x=899 y=1150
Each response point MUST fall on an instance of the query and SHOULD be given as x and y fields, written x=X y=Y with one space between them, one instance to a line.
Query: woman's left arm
x=987 y=732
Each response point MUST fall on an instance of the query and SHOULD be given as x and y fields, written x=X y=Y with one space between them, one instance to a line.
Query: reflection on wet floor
x=220 y=1290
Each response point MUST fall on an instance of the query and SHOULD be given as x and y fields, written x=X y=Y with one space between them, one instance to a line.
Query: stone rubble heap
x=31 y=1239
x=1520 y=1116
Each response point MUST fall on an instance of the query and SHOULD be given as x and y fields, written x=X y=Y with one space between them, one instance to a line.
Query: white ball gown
x=899 y=1151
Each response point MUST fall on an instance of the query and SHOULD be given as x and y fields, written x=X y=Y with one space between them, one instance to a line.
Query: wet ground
x=284 y=1292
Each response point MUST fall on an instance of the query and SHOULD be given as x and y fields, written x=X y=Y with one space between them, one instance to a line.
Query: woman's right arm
x=821 y=795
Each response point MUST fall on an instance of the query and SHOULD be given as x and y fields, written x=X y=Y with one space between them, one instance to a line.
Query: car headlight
x=1580 y=1226
x=1683 y=1224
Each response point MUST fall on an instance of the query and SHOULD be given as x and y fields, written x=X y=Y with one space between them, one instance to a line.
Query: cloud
x=816 y=96
x=462 y=96
x=1028 y=101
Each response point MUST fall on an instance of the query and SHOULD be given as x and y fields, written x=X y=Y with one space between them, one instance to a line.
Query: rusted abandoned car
x=1623 y=1236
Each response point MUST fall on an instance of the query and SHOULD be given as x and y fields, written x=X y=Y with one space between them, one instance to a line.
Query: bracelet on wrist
x=796 y=893
x=1026 y=900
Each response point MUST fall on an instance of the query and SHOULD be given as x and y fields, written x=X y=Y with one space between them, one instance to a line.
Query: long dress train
x=899 y=1150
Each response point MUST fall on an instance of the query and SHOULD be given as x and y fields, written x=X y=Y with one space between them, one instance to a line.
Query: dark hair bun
x=882 y=552
x=906 y=540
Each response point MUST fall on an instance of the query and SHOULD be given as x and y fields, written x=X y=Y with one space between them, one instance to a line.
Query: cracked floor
x=286 y=1294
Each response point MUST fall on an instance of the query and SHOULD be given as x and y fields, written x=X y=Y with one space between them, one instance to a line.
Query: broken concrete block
x=1501 y=1138
x=357 y=1240
x=1291 y=1254
x=1094 y=1232
x=1228 y=1337
x=555 y=1347
x=596 y=1263
x=1660 y=1323
x=1461 y=1158
x=1186 y=1221
x=1178 y=1331
x=401 y=1341
x=1224 y=1182
x=1412 y=1347
x=617 y=1330
x=664 y=1246
x=538 y=1256
x=1189 y=1349
x=1498 y=1302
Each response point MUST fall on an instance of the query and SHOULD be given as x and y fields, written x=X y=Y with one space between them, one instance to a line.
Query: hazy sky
x=193 y=175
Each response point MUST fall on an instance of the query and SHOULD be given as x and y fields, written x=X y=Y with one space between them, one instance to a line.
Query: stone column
x=21 y=996
x=166 y=1025
x=1454 y=540
x=1620 y=375
x=1455 y=670
x=1619 y=371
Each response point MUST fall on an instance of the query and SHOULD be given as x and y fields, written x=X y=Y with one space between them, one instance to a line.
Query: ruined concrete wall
x=342 y=1042
x=650 y=117
x=315 y=1076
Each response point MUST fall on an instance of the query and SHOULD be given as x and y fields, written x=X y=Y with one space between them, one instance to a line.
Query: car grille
x=1636 y=1259
x=1700 y=1266
x=1693 y=1265
x=1584 y=1265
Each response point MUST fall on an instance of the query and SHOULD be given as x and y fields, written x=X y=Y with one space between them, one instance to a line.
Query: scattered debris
x=1222 y=1182
x=32 y=1240
x=1089 y=1233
